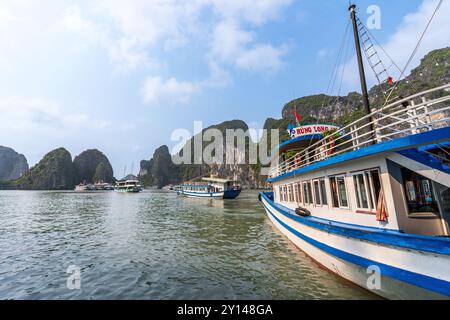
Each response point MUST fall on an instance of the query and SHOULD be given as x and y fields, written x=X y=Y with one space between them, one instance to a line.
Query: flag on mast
x=297 y=117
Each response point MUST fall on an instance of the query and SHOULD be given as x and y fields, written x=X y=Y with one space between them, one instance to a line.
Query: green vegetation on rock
x=92 y=166
x=54 y=172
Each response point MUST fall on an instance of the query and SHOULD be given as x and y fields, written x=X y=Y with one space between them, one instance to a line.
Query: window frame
x=323 y=191
x=307 y=193
x=316 y=203
x=336 y=177
x=290 y=193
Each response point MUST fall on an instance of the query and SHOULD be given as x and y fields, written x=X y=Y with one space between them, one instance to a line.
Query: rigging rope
x=414 y=51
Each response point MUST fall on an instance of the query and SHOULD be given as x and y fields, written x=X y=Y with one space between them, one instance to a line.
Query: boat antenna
x=362 y=74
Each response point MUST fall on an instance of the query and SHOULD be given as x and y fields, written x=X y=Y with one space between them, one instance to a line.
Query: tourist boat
x=130 y=186
x=371 y=201
x=103 y=186
x=211 y=188
x=84 y=187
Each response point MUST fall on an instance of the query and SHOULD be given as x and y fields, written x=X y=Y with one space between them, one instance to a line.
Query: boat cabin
x=396 y=178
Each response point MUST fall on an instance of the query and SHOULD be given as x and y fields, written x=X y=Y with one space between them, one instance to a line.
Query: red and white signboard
x=309 y=130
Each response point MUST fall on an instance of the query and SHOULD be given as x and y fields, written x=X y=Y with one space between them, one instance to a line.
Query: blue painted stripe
x=437 y=245
x=419 y=280
x=425 y=158
x=203 y=195
x=429 y=137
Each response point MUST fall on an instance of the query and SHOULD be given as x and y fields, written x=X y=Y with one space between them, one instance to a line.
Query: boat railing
x=425 y=111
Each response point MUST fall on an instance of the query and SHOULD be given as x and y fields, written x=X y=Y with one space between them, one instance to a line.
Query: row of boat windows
x=366 y=184
x=202 y=189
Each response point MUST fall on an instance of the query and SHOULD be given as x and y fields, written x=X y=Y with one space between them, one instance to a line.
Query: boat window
x=317 y=194
x=323 y=192
x=290 y=193
x=339 y=192
x=307 y=193
x=419 y=193
x=298 y=191
x=367 y=189
x=361 y=186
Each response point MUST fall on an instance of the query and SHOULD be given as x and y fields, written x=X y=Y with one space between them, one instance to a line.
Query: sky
x=121 y=76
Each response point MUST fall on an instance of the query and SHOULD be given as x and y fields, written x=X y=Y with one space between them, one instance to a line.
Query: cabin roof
x=421 y=139
x=217 y=180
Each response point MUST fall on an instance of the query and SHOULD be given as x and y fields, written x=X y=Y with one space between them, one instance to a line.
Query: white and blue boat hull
x=409 y=267
x=229 y=194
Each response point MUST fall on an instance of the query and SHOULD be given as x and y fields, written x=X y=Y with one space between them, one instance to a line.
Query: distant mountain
x=92 y=166
x=57 y=171
x=161 y=170
x=12 y=164
x=54 y=172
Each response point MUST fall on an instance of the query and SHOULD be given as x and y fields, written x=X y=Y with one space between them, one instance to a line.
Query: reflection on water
x=152 y=245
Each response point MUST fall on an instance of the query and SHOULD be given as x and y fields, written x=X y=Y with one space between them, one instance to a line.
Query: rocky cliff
x=54 y=172
x=161 y=169
x=12 y=164
x=92 y=166
x=433 y=71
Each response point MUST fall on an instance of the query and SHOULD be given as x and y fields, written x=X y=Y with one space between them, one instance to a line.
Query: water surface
x=152 y=245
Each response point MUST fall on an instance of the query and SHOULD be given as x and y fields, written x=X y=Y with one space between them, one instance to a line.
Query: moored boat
x=211 y=188
x=128 y=186
x=371 y=201
x=84 y=187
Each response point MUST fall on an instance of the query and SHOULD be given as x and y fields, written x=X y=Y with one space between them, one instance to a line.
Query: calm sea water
x=152 y=245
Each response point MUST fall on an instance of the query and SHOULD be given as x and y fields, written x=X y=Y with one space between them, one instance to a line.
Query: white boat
x=83 y=187
x=129 y=186
x=211 y=188
x=371 y=201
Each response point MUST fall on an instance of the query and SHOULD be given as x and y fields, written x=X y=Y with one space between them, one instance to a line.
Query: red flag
x=297 y=116
x=390 y=81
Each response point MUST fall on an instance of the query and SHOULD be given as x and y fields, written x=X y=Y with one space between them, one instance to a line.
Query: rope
x=414 y=51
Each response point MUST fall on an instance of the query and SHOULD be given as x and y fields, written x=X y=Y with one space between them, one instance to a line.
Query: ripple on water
x=152 y=245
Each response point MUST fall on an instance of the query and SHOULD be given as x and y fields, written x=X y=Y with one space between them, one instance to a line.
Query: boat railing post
x=413 y=123
x=355 y=137
x=425 y=108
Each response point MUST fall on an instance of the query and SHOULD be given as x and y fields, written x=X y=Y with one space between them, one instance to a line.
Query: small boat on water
x=129 y=186
x=99 y=186
x=211 y=188
x=83 y=187
x=371 y=201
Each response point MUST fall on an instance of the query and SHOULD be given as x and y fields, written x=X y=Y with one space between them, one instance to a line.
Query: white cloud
x=403 y=41
x=31 y=115
x=262 y=57
x=157 y=91
x=147 y=26
x=136 y=35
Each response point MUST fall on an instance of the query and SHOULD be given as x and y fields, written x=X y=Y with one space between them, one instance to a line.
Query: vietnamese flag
x=390 y=81
x=297 y=116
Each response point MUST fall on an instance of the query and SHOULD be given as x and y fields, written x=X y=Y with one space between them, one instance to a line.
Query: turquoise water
x=152 y=245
